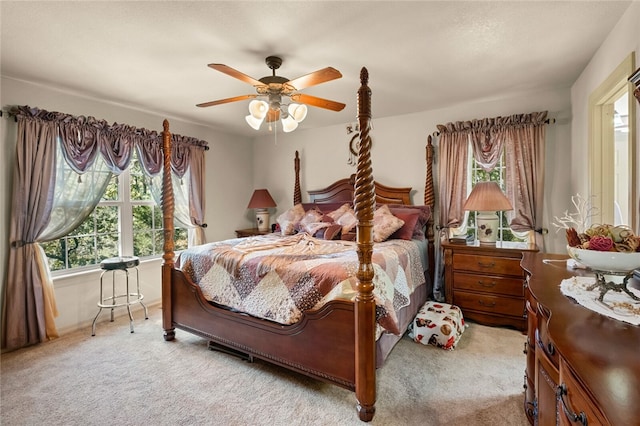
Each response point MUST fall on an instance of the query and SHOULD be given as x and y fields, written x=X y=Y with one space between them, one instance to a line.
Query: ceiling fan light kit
x=273 y=88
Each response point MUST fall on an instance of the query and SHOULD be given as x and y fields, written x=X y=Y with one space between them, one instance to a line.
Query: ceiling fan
x=274 y=88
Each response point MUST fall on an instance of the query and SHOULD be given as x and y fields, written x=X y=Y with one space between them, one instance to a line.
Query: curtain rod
x=547 y=121
x=9 y=115
x=15 y=118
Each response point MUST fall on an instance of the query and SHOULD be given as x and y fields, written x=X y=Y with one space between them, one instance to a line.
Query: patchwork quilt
x=278 y=278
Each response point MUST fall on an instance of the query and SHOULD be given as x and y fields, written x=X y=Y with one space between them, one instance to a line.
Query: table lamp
x=487 y=198
x=261 y=201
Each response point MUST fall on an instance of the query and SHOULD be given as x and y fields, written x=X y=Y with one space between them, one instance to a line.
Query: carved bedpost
x=168 y=205
x=364 y=302
x=297 y=196
x=430 y=200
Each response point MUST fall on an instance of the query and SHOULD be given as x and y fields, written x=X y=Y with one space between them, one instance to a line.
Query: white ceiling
x=420 y=55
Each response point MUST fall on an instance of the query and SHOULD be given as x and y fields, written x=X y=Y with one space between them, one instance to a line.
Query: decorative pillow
x=324 y=207
x=349 y=236
x=290 y=219
x=348 y=220
x=311 y=222
x=384 y=224
x=410 y=218
x=335 y=214
x=332 y=232
x=438 y=324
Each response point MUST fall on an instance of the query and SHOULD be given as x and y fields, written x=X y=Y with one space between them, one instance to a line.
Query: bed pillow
x=344 y=216
x=410 y=219
x=349 y=236
x=425 y=215
x=290 y=219
x=347 y=220
x=331 y=232
x=324 y=207
x=335 y=214
x=384 y=223
x=311 y=222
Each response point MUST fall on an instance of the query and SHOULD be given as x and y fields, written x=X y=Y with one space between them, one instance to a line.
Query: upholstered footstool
x=438 y=324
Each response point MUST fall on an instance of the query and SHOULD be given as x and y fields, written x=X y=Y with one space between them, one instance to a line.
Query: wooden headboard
x=343 y=190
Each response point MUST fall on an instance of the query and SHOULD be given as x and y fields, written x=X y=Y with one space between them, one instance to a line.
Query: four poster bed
x=339 y=340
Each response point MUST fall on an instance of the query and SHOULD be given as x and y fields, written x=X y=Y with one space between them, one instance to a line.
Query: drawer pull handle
x=550 y=348
x=487 y=304
x=573 y=417
x=525 y=348
x=487 y=285
x=486 y=265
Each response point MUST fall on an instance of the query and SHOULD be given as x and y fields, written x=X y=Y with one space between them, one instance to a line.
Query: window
x=127 y=221
x=478 y=174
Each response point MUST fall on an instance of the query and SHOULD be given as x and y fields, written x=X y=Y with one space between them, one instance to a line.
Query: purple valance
x=82 y=138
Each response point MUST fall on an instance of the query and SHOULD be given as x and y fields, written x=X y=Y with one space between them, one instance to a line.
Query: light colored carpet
x=119 y=378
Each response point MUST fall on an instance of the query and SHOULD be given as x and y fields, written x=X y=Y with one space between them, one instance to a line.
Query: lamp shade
x=258 y=109
x=298 y=111
x=289 y=124
x=261 y=199
x=255 y=123
x=487 y=196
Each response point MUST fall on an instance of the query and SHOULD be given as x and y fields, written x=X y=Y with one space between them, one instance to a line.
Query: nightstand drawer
x=488 y=303
x=488 y=284
x=487 y=264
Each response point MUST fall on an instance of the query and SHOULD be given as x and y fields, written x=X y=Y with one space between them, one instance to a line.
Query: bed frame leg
x=366 y=413
x=169 y=334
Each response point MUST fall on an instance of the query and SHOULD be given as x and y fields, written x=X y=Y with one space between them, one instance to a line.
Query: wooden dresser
x=487 y=282
x=582 y=367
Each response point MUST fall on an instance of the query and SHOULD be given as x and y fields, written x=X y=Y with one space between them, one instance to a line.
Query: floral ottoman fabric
x=438 y=324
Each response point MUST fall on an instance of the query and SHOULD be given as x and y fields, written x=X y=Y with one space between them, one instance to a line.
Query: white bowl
x=606 y=261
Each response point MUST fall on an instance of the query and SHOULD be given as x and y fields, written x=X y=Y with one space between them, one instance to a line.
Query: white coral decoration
x=580 y=219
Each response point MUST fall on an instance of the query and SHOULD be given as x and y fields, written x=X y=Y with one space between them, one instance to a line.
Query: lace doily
x=616 y=305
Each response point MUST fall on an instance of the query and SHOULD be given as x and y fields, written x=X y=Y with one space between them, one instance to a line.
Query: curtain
x=524 y=175
x=186 y=159
x=63 y=165
x=29 y=303
x=452 y=178
x=522 y=138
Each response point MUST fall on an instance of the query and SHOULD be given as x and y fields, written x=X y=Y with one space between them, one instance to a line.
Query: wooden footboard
x=302 y=347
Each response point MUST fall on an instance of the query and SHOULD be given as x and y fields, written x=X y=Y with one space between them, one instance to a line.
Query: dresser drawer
x=487 y=264
x=488 y=284
x=574 y=405
x=489 y=303
x=543 y=340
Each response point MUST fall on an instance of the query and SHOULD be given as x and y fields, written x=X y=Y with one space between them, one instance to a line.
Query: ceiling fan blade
x=236 y=74
x=316 y=77
x=317 y=102
x=272 y=115
x=227 y=100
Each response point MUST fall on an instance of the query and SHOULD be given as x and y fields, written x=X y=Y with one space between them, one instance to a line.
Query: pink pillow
x=344 y=216
x=423 y=218
x=290 y=219
x=410 y=219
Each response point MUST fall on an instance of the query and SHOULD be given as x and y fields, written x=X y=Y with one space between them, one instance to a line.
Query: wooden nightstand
x=487 y=282
x=250 y=232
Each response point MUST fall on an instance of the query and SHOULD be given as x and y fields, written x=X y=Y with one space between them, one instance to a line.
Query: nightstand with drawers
x=251 y=232
x=487 y=282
